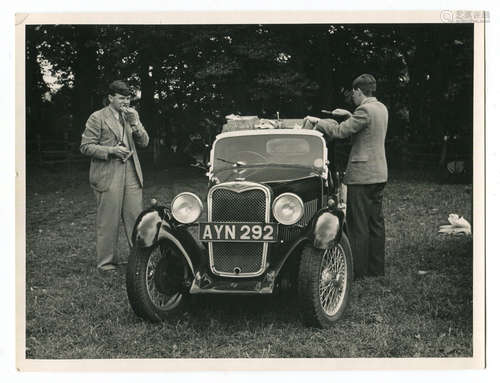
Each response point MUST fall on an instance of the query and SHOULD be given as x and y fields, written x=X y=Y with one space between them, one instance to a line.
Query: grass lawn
x=73 y=312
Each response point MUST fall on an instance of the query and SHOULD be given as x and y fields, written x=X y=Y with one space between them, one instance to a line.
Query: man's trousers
x=366 y=228
x=122 y=201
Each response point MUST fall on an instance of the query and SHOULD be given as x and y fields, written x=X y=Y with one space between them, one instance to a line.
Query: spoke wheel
x=333 y=281
x=324 y=283
x=156 y=282
x=164 y=278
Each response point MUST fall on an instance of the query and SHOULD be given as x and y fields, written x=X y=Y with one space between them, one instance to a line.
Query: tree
x=191 y=76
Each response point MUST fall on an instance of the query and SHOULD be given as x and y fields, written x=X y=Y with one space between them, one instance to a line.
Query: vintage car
x=273 y=217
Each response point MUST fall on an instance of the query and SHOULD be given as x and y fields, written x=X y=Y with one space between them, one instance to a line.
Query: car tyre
x=155 y=282
x=324 y=283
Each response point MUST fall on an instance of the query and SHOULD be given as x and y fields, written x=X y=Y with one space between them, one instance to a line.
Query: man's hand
x=132 y=116
x=341 y=113
x=119 y=152
x=312 y=120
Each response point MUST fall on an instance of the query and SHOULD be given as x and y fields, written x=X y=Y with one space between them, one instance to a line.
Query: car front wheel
x=324 y=283
x=156 y=282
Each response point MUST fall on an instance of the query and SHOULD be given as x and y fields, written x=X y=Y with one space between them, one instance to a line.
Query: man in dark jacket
x=109 y=139
x=366 y=173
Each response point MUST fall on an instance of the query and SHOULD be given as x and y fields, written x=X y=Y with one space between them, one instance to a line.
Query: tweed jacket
x=102 y=132
x=367 y=126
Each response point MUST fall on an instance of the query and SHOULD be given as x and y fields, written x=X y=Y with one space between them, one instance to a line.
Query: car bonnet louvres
x=238 y=202
x=288 y=233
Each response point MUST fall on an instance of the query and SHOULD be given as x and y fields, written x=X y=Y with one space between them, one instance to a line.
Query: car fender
x=323 y=224
x=312 y=233
x=157 y=224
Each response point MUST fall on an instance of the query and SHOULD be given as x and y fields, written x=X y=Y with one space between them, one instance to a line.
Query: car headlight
x=186 y=207
x=288 y=208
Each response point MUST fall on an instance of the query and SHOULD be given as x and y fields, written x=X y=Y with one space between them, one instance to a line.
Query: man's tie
x=122 y=123
x=122 y=120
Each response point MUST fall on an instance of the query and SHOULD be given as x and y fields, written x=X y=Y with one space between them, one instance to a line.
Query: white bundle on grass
x=459 y=225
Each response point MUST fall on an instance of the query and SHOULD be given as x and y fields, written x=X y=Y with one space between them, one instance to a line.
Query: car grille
x=247 y=206
x=238 y=202
x=310 y=208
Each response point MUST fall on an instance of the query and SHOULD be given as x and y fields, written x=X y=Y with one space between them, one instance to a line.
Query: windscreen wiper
x=289 y=166
x=237 y=163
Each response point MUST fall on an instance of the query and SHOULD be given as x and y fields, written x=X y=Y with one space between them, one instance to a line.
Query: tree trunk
x=35 y=86
x=439 y=82
x=85 y=73
x=147 y=111
x=327 y=85
x=417 y=72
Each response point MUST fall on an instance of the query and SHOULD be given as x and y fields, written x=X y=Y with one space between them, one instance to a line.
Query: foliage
x=191 y=73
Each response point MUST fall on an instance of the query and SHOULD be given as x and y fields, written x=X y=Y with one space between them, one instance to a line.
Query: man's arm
x=358 y=121
x=140 y=135
x=90 y=145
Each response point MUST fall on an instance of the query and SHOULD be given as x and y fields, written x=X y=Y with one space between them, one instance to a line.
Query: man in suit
x=366 y=173
x=110 y=139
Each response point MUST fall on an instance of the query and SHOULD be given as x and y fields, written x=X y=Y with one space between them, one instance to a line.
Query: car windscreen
x=275 y=149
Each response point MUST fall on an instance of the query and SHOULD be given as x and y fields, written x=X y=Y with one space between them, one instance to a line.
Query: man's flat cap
x=119 y=87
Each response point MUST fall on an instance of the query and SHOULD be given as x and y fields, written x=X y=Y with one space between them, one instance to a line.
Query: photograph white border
x=229 y=17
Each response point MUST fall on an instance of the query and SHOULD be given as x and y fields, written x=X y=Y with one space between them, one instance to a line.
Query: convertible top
x=235 y=123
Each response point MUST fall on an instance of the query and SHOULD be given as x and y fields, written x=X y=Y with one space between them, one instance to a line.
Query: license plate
x=238 y=232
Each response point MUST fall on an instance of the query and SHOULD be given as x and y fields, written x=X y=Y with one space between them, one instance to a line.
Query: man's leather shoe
x=107 y=268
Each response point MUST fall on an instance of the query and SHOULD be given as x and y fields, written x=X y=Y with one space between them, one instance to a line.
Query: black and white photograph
x=259 y=189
